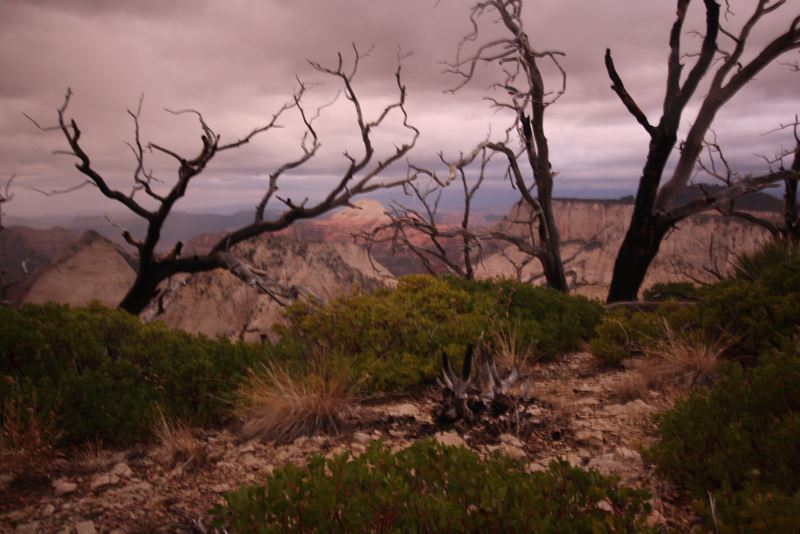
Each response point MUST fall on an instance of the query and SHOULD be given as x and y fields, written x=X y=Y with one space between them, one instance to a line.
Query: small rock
x=588 y=401
x=101 y=481
x=450 y=439
x=627 y=455
x=605 y=506
x=589 y=437
x=536 y=467
x=220 y=488
x=655 y=519
x=573 y=459
x=63 y=486
x=588 y=388
x=362 y=438
x=17 y=515
x=48 y=510
x=608 y=465
x=250 y=461
x=248 y=448
x=85 y=527
x=122 y=470
x=357 y=449
x=512 y=451
x=27 y=528
x=509 y=439
x=534 y=411
x=404 y=410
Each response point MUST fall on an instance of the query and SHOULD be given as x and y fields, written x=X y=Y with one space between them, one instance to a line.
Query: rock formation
x=93 y=268
x=592 y=232
x=218 y=303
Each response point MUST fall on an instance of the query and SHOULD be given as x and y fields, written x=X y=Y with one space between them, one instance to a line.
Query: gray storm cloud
x=236 y=61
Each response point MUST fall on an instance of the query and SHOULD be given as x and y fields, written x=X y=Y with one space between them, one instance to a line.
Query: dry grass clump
x=177 y=443
x=633 y=385
x=281 y=406
x=675 y=362
x=23 y=432
x=682 y=361
x=510 y=349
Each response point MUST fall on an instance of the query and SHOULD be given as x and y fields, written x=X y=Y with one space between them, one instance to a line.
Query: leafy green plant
x=102 y=374
x=738 y=439
x=394 y=338
x=430 y=488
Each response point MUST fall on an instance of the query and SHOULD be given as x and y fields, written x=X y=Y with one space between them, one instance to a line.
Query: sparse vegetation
x=177 y=443
x=431 y=488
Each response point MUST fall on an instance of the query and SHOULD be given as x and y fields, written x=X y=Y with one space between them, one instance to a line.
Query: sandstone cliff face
x=218 y=303
x=592 y=232
x=91 y=269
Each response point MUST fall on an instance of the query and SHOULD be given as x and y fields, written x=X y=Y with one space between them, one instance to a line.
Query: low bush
x=431 y=488
x=102 y=374
x=394 y=338
x=739 y=441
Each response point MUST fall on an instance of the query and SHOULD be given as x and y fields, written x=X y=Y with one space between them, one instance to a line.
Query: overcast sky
x=236 y=61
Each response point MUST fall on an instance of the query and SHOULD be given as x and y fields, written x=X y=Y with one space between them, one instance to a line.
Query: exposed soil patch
x=564 y=410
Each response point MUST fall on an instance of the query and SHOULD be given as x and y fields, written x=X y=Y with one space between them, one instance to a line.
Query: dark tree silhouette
x=358 y=177
x=655 y=211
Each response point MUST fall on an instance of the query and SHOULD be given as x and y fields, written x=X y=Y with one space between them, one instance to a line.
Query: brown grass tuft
x=24 y=432
x=682 y=361
x=281 y=406
x=633 y=385
x=177 y=443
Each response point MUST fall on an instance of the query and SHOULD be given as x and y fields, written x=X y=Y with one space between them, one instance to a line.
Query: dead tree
x=359 y=177
x=655 y=211
x=5 y=196
x=417 y=229
x=527 y=98
x=718 y=167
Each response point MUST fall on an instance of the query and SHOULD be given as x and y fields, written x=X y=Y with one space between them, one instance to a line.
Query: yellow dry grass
x=280 y=406
x=177 y=443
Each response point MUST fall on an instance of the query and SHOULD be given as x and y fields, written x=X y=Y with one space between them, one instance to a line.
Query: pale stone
x=514 y=452
x=451 y=439
x=220 y=488
x=27 y=528
x=250 y=461
x=85 y=527
x=404 y=410
x=362 y=438
x=63 y=486
x=589 y=437
x=48 y=510
x=509 y=439
x=122 y=470
x=106 y=479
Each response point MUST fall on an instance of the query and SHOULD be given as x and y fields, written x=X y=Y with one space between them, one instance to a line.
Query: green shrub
x=430 y=488
x=101 y=373
x=395 y=337
x=754 y=265
x=738 y=440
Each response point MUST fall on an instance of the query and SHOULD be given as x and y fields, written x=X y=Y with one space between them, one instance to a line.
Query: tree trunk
x=144 y=288
x=637 y=252
x=552 y=265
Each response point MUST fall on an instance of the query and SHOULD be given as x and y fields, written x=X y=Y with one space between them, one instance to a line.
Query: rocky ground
x=568 y=409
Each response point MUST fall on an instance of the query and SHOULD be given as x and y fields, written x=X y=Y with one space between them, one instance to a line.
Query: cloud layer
x=236 y=61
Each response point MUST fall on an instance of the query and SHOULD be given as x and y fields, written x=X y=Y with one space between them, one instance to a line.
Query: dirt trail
x=567 y=410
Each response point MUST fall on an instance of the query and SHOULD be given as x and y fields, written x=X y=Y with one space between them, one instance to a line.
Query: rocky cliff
x=592 y=232
x=218 y=303
x=93 y=268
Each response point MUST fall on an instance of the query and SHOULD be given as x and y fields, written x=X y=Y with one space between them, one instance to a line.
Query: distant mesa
x=367 y=212
x=217 y=303
x=93 y=268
